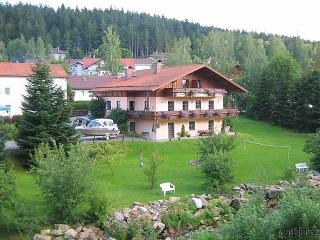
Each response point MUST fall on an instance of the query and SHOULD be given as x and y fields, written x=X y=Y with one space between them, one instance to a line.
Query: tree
x=120 y=117
x=46 y=115
x=111 y=50
x=98 y=107
x=275 y=46
x=312 y=145
x=66 y=179
x=151 y=170
x=3 y=52
x=17 y=50
x=180 y=53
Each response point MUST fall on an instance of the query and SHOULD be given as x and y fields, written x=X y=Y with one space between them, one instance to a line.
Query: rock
x=196 y=202
x=216 y=211
x=84 y=235
x=273 y=192
x=78 y=228
x=41 y=237
x=142 y=209
x=93 y=236
x=45 y=232
x=70 y=234
x=137 y=204
x=174 y=199
x=198 y=213
x=159 y=226
x=63 y=227
x=204 y=201
x=155 y=216
x=225 y=199
x=59 y=238
x=56 y=232
x=119 y=216
x=237 y=202
x=126 y=212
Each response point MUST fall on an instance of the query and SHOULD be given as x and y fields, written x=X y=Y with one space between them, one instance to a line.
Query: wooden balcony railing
x=181 y=114
x=194 y=92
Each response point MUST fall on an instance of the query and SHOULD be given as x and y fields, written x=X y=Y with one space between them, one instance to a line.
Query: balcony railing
x=195 y=92
x=182 y=114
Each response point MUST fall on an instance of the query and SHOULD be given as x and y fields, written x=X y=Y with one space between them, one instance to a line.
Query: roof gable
x=87 y=62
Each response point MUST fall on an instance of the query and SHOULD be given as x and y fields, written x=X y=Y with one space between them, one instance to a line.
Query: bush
x=183 y=131
x=80 y=105
x=227 y=121
x=203 y=235
x=151 y=169
x=97 y=107
x=98 y=208
x=7 y=185
x=312 y=145
x=120 y=117
x=214 y=144
x=290 y=174
x=217 y=168
x=66 y=180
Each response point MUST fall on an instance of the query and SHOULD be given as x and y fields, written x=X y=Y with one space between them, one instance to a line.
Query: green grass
x=256 y=164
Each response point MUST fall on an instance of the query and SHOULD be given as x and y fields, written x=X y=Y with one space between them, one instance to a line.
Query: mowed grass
x=257 y=164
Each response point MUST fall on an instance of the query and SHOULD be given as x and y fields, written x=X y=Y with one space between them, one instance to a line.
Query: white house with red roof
x=13 y=80
x=162 y=100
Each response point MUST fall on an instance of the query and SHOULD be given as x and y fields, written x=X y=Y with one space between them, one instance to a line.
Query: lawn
x=255 y=164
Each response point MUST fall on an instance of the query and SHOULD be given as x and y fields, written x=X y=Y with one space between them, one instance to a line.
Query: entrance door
x=171 y=130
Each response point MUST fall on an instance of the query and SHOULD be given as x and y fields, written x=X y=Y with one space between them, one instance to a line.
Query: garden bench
x=167 y=187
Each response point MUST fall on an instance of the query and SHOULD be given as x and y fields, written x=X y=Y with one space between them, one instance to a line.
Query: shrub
x=203 y=235
x=214 y=144
x=183 y=131
x=227 y=121
x=120 y=117
x=7 y=185
x=9 y=131
x=151 y=169
x=98 y=208
x=290 y=174
x=116 y=230
x=141 y=230
x=312 y=145
x=97 y=107
x=80 y=105
x=65 y=179
x=217 y=168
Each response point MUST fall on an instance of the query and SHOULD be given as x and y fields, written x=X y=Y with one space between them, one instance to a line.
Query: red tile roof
x=87 y=62
x=25 y=70
x=148 y=80
x=89 y=82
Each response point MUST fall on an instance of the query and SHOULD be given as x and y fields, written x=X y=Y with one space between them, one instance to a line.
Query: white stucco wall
x=76 y=69
x=82 y=95
x=139 y=67
x=17 y=87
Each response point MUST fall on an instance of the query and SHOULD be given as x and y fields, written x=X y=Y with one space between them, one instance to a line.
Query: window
x=210 y=124
x=192 y=125
x=108 y=105
x=146 y=105
x=198 y=104
x=211 y=105
x=118 y=104
x=131 y=105
x=7 y=91
x=170 y=105
x=185 y=83
x=185 y=105
x=132 y=126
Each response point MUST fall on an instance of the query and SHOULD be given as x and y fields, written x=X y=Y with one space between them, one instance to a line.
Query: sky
x=285 y=17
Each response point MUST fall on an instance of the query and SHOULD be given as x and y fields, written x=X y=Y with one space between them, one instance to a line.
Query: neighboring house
x=143 y=63
x=159 y=101
x=82 y=85
x=96 y=66
x=58 y=54
x=13 y=80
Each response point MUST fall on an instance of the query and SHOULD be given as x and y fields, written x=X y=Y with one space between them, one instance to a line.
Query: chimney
x=157 y=66
x=128 y=73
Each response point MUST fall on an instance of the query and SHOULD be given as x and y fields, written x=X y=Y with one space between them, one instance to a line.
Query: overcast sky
x=285 y=17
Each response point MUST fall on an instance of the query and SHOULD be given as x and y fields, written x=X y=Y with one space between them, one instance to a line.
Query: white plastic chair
x=301 y=167
x=167 y=187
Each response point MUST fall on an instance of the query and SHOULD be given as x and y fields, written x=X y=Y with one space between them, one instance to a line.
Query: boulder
x=273 y=192
x=63 y=227
x=119 y=216
x=216 y=211
x=174 y=199
x=41 y=237
x=237 y=202
x=137 y=204
x=84 y=235
x=57 y=232
x=196 y=202
x=159 y=226
x=198 y=213
x=45 y=232
x=142 y=210
x=204 y=201
x=70 y=234
x=225 y=199
x=59 y=238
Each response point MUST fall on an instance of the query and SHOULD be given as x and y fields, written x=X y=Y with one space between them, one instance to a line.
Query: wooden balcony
x=195 y=114
x=194 y=92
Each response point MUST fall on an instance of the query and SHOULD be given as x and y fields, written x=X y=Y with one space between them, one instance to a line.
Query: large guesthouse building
x=163 y=99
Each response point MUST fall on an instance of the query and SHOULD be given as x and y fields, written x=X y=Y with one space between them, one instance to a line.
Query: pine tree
x=3 y=52
x=180 y=53
x=45 y=113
